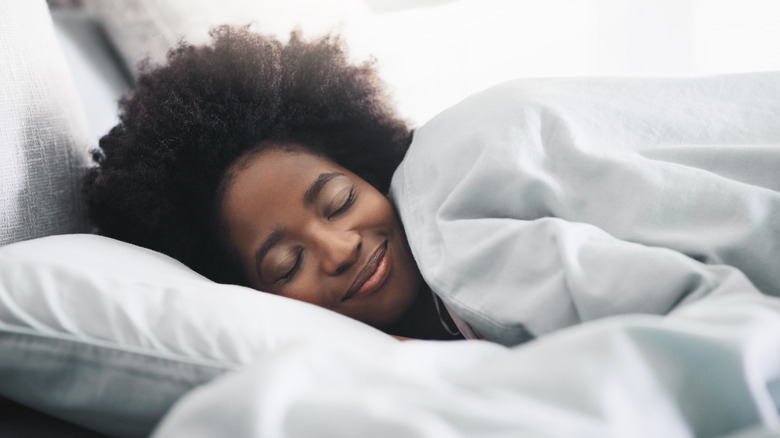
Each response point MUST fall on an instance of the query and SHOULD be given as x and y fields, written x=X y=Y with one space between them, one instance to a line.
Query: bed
x=102 y=338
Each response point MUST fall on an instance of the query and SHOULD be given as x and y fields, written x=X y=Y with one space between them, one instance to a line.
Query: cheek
x=379 y=211
x=309 y=287
x=305 y=290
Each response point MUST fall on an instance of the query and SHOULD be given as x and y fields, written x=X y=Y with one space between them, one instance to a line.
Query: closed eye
x=345 y=206
x=291 y=273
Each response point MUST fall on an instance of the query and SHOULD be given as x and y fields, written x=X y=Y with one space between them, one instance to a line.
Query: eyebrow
x=316 y=187
x=269 y=243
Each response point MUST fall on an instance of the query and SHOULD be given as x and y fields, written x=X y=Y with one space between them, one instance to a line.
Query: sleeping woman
x=527 y=208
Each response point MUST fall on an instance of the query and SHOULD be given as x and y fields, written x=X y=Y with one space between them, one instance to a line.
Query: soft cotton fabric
x=711 y=369
x=108 y=335
x=539 y=204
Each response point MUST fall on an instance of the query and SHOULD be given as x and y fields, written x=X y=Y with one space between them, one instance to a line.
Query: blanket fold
x=539 y=204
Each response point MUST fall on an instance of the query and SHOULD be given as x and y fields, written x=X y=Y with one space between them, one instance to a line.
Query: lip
x=373 y=275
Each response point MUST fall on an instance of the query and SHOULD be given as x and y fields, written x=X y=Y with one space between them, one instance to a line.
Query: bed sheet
x=711 y=369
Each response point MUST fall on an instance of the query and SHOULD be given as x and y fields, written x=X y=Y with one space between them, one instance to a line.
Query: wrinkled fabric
x=710 y=369
x=539 y=204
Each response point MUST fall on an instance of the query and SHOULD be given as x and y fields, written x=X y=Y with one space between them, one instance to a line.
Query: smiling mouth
x=373 y=274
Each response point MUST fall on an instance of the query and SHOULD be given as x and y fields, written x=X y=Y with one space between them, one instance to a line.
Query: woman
x=267 y=164
x=221 y=149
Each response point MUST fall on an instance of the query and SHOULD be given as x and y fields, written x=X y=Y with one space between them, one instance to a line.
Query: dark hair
x=158 y=174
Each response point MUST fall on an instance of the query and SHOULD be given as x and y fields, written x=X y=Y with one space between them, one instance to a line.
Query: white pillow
x=108 y=335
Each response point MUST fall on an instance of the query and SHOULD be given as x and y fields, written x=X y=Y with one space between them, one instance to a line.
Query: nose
x=338 y=249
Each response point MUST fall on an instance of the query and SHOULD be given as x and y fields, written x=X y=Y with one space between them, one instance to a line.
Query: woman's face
x=306 y=228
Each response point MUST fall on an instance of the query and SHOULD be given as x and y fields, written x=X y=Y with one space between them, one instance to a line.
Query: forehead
x=269 y=184
x=276 y=169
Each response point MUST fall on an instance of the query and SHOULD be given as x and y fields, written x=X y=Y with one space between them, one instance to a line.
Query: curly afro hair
x=159 y=171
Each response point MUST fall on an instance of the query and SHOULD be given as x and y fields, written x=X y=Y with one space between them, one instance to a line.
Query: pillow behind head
x=108 y=335
x=43 y=133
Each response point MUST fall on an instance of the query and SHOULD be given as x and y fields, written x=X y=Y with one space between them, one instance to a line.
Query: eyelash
x=286 y=277
x=348 y=203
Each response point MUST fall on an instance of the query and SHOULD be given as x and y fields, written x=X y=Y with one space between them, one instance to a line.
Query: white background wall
x=434 y=56
x=433 y=53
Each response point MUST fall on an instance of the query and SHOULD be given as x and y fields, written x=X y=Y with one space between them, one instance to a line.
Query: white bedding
x=711 y=369
x=539 y=204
